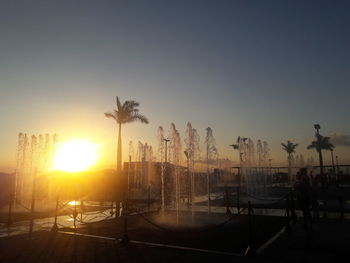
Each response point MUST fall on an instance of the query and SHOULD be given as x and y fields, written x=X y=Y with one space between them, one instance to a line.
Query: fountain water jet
x=193 y=153
x=254 y=177
x=175 y=158
x=212 y=153
x=33 y=154
x=161 y=155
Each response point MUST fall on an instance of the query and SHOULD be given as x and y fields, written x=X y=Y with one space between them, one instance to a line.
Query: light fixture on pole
x=317 y=128
x=319 y=149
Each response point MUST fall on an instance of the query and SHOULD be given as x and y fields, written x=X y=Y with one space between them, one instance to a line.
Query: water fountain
x=211 y=154
x=31 y=182
x=144 y=157
x=139 y=159
x=131 y=158
x=33 y=157
x=251 y=152
x=254 y=176
x=259 y=148
x=175 y=158
x=266 y=152
x=193 y=154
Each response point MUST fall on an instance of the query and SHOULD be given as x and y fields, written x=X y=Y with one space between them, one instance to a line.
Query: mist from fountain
x=33 y=157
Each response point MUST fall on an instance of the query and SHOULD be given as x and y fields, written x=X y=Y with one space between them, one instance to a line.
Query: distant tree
x=125 y=113
x=289 y=147
x=321 y=143
x=236 y=147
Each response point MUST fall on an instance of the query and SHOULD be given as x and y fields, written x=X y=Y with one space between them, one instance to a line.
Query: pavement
x=328 y=241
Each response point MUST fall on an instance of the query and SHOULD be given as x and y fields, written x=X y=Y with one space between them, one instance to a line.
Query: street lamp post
x=317 y=128
x=12 y=199
x=319 y=150
x=162 y=173
x=337 y=164
x=188 y=176
x=191 y=188
x=32 y=206
x=269 y=173
x=208 y=180
x=55 y=226
x=125 y=238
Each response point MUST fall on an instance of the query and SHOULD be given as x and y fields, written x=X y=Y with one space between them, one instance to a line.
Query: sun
x=75 y=156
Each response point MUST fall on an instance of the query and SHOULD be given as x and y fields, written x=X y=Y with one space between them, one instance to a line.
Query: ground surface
x=217 y=232
x=329 y=241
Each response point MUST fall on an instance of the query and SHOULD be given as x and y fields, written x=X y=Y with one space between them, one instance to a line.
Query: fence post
x=238 y=201
x=82 y=210
x=228 y=212
x=9 y=219
x=250 y=251
x=292 y=208
x=341 y=203
x=75 y=214
x=288 y=227
x=32 y=207
x=325 y=207
x=125 y=238
x=55 y=227
x=149 y=198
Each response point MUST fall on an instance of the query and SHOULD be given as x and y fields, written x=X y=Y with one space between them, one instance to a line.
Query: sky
x=267 y=70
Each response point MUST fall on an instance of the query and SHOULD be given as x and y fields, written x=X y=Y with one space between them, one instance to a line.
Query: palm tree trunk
x=321 y=161
x=119 y=154
x=208 y=180
x=290 y=168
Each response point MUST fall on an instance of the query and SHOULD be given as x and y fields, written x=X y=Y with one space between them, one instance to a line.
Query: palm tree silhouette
x=321 y=143
x=125 y=113
x=236 y=147
x=289 y=147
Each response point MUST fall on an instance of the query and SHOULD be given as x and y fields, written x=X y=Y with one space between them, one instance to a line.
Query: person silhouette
x=303 y=192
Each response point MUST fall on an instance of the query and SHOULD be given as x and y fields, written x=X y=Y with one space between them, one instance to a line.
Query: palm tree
x=125 y=113
x=289 y=147
x=321 y=143
x=236 y=147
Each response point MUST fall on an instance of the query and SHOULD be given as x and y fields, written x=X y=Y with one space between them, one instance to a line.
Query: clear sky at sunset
x=267 y=70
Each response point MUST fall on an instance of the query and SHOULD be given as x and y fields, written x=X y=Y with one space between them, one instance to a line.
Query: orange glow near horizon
x=75 y=156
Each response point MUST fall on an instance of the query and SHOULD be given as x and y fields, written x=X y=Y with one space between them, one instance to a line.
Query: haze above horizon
x=267 y=70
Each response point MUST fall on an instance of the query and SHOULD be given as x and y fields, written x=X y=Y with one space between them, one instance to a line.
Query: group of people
x=308 y=190
x=305 y=188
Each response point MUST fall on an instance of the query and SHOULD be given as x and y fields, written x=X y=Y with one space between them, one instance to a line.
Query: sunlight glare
x=75 y=156
x=73 y=203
